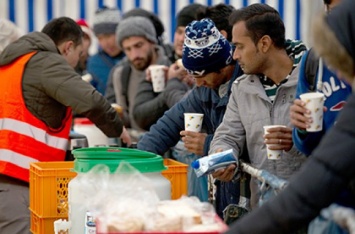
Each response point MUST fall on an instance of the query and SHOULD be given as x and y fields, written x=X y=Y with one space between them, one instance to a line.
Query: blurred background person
x=82 y=64
x=149 y=105
x=168 y=48
x=137 y=37
x=99 y=65
x=159 y=29
x=219 y=14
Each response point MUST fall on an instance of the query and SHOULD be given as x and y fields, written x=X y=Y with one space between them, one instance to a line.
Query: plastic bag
x=122 y=194
x=126 y=201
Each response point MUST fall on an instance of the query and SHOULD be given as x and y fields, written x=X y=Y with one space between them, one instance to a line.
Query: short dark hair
x=63 y=29
x=219 y=14
x=260 y=20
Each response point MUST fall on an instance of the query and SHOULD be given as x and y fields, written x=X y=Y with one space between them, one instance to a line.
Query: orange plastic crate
x=49 y=188
x=177 y=175
x=42 y=225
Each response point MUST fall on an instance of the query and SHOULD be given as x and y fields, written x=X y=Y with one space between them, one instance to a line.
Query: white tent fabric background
x=32 y=15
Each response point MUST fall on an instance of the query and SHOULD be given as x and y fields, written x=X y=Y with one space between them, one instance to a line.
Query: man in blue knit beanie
x=207 y=55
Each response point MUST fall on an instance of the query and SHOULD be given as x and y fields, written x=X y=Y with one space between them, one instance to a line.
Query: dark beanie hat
x=188 y=14
x=205 y=49
x=135 y=26
x=106 y=21
x=158 y=25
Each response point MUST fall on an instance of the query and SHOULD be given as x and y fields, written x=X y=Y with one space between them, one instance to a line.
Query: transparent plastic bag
x=122 y=199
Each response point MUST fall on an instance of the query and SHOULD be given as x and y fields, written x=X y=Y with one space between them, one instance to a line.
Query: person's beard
x=143 y=63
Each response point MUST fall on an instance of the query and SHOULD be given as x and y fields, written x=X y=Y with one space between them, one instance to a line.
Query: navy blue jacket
x=99 y=66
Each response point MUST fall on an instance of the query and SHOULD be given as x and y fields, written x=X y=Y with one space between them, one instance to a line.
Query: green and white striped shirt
x=295 y=49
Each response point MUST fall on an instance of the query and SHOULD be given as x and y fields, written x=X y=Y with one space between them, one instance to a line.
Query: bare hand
x=176 y=72
x=279 y=138
x=299 y=115
x=126 y=137
x=225 y=174
x=194 y=141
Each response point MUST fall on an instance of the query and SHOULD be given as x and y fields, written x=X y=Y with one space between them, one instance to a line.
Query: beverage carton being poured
x=213 y=162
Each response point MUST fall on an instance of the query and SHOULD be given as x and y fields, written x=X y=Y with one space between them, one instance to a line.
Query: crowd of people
x=234 y=66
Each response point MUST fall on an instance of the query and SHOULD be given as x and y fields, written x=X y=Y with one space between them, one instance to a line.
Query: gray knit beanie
x=106 y=21
x=135 y=26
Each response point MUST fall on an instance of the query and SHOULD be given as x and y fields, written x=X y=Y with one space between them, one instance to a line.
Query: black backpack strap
x=126 y=72
x=312 y=62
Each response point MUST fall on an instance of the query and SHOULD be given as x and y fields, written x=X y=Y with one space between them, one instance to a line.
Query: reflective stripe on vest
x=20 y=160
x=34 y=132
x=23 y=137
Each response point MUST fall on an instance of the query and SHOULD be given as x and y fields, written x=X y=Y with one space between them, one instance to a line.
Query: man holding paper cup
x=262 y=96
x=137 y=37
x=169 y=84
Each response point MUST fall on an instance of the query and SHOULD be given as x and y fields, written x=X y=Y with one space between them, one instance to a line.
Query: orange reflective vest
x=23 y=137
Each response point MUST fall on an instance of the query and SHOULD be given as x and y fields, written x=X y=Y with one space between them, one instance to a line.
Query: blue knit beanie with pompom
x=205 y=48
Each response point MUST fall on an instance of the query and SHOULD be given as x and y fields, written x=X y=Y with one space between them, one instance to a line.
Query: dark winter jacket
x=150 y=106
x=126 y=96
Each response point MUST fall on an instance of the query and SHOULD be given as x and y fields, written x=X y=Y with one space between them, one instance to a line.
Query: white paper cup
x=272 y=154
x=158 y=77
x=314 y=103
x=193 y=121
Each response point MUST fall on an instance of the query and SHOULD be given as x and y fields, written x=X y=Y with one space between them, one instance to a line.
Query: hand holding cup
x=277 y=139
x=193 y=121
x=193 y=140
x=157 y=75
x=314 y=103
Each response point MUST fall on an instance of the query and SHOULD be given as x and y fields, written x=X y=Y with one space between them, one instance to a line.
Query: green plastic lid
x=145 y=162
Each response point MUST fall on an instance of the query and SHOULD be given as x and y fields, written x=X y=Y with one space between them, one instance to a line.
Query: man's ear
x=66 y=47
x=224 y=33
x=264 y=43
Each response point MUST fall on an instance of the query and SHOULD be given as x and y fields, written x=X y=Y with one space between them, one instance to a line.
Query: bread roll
x=132 y=224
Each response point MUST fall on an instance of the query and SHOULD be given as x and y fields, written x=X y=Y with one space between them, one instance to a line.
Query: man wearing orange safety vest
x=38 y=90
